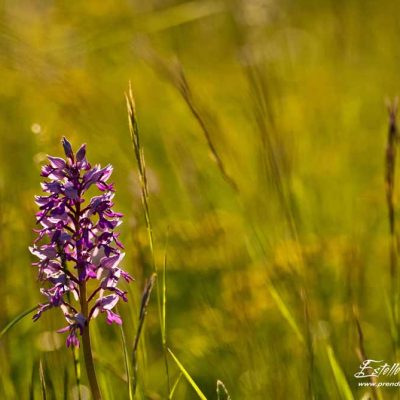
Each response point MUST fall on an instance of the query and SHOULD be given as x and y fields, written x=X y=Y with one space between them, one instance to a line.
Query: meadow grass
x=260 y=195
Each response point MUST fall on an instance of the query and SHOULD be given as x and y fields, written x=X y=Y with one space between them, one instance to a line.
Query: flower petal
x=81 y=153
x=57 y=162
x=67 y=148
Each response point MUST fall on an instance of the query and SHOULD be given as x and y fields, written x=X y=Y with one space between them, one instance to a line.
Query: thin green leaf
x=42 y=381
x=16 y=320
x=32 y=384
x=340 y=378
x=188 y=377
x=392 y=323
x=164 y=316
x=174 y=386
x=285 y=312
x=66 y=384
x=77 y=369
x=164 y=297
x=127 y=364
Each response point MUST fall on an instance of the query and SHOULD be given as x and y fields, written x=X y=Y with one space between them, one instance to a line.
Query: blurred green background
x=265 y=263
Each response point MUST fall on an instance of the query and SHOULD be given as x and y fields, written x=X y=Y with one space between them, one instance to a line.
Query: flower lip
x=112 y=317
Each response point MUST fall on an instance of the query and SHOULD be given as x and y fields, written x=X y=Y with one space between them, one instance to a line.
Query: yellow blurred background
x=263 y=125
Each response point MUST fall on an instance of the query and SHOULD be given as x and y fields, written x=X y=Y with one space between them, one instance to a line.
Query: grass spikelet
x=390 y=162
x=390 y=172
x=174 y=73
x=362 y=356
x=139 y=155
x=142 y=315
x=222 y=389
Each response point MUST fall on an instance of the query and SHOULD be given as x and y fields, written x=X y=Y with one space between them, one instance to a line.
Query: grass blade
x=174 y=386
x=340 y=378
x=16 y=320
x=164 y=297
x=285 y=312
x=127 y=364
x=66 y=384
x=77 y=369
x=32 y=384
x=164 y=316
x=187 y=376
x=42 y=381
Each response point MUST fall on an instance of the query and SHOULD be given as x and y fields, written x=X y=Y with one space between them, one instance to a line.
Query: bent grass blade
x=187 y=376
x=340 y=378
x=175 y=385
x=16 y=320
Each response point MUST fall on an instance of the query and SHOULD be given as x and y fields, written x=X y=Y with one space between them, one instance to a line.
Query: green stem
x=87 y=348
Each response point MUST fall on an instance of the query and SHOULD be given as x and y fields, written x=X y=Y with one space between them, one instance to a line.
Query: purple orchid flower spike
x=77 y=243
